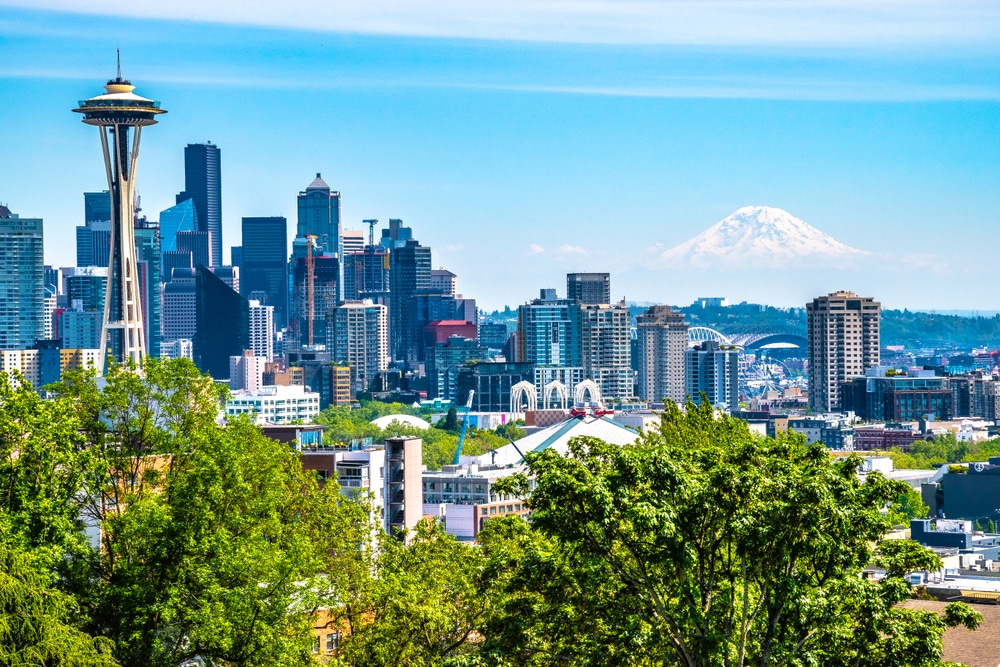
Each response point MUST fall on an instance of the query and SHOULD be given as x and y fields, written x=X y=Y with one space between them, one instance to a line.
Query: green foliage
x=945 y=448
x=701 y=545
x=908 y=506
x=451 y=422
x=428 y=603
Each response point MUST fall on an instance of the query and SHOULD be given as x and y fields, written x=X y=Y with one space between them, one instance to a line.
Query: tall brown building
x=843 y=335
x=662 y=342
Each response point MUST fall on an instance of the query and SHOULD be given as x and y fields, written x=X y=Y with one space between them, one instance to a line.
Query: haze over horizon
x=525 y=140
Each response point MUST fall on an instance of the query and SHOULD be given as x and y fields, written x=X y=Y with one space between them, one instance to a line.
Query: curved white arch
x=701 y=334
x=585 y=388
x=561 y=395
x=526 y=391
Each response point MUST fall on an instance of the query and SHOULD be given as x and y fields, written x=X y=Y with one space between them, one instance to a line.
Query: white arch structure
x=585 y=388
x=701 y=334
x=523 y=390
x=561 y=395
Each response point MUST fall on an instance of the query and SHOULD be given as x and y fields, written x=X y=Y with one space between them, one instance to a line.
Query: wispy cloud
x=535 y=249
x=696 y=22
x=567 y=249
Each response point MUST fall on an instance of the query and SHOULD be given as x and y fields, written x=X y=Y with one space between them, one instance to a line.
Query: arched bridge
x=758 y=341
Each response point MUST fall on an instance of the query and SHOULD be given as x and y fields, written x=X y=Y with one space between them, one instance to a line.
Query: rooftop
x=558 y=436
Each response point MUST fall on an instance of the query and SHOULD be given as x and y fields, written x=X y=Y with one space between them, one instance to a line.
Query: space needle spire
x=120 y=115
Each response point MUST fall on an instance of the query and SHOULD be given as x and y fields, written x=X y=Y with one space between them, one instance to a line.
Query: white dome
x=402 y=420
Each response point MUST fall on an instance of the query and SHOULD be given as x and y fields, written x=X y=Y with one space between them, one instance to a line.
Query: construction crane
x=465 y=426
x=309 y=285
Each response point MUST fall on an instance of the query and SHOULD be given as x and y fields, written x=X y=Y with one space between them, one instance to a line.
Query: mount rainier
x=761 y=237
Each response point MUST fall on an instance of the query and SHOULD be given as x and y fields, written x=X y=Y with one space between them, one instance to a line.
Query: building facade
x=843 y=342
x=661 y=342
x=319 y=216
x=590 y=289
x=713 y=370
x=22 y=282
x=203 y=185
x=264 y=264
x=360 y=338
x=605 y=337
x=261 y=330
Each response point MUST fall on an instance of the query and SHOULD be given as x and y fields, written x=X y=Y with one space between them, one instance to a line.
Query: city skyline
x=519 y=156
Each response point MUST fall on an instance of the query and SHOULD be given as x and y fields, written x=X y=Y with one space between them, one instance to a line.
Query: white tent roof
x=402 y=420
x=558 y=436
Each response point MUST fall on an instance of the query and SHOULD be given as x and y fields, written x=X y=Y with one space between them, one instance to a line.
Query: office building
x=713 y=370
x=492 y=382
x=198 y=243
x=80 y=329
x=262 y=330
x=203 y=185
x=177 y=349
x=444 y=363
x=843 y=342
x=264 y=264
x=22 y=282
x=493 y=335
x=175 y=259
x=444 y=281
x=410 y=273
x=275 y=405
x=236 y=256
x=121 y=115
x=179 y=218
x=366 y=275
x=180 y=306
x=352 y=240
x=148 y=264
x=83 y=287
x=360 y=338
x=323 y=295
x=222 y=324
x=589 y=288
x=319 y=216
x=97 y=207
x=898 y=398
x=548 y=331
x=93 y=238
x=662 y=340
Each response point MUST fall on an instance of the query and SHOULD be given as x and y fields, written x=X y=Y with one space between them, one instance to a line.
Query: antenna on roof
x=119 y=53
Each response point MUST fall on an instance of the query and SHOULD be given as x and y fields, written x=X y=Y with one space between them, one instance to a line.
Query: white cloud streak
x=830 y=23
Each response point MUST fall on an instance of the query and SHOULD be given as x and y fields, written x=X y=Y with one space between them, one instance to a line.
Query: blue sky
x=522 y=140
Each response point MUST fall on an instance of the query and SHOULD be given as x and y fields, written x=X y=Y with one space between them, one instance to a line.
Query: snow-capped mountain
x=761 y=237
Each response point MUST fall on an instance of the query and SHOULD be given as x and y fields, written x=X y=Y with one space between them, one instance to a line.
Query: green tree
x=909 y=505
x=211 y=535
x=702 y=545
x=451 y=422
x=427 y=603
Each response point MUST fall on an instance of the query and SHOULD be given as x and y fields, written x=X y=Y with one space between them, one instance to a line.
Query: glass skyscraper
x=222 y=328
x=22 y=283
x=203 y=185
x=264 y=265
x=180 y=218
x=319 y=216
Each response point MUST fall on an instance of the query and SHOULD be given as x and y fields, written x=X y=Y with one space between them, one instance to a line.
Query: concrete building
x=661 y=341
x=713 y=369
x=246 y=371
x=404 y=467
x=22 y=282
x=262 y=330
x=177 y=349
x=276 y=404
x=590 y=289
x=843 y=342
x=605 y=340
x=898 y=398
x=352 y=240
x=360 y=338
x=180 y=301
x=80 y=329
x=444 y=282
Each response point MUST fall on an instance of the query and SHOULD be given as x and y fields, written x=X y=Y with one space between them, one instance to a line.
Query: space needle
x=120 y=115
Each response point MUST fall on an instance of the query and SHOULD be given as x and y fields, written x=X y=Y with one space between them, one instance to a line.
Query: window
x=315 y=648
x=332 y=641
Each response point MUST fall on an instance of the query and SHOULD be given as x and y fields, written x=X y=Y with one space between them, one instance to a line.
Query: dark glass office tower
x=222 y=324
x=410 y=272
x=264 y=264
x=319 y=216
x=203 y=184
x=590 y=289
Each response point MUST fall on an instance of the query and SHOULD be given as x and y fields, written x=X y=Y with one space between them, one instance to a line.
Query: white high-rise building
x=262 y=330
x=360 y=337
x=176 y=349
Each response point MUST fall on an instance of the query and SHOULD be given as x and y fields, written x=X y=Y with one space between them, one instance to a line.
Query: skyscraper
x=93 y=238
x=410 y=273
x=606 y=349
x=842 y=329
x=319 y=216
x=118 y=114
x=222 y=327
x=589 y=288
x=662 y=341
x=262 y=330
x=180 y=218
x=22 y=281
x=203 y=185
x=548 y=331
x=360 y=337
x=264 y=264
x=714 y=370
